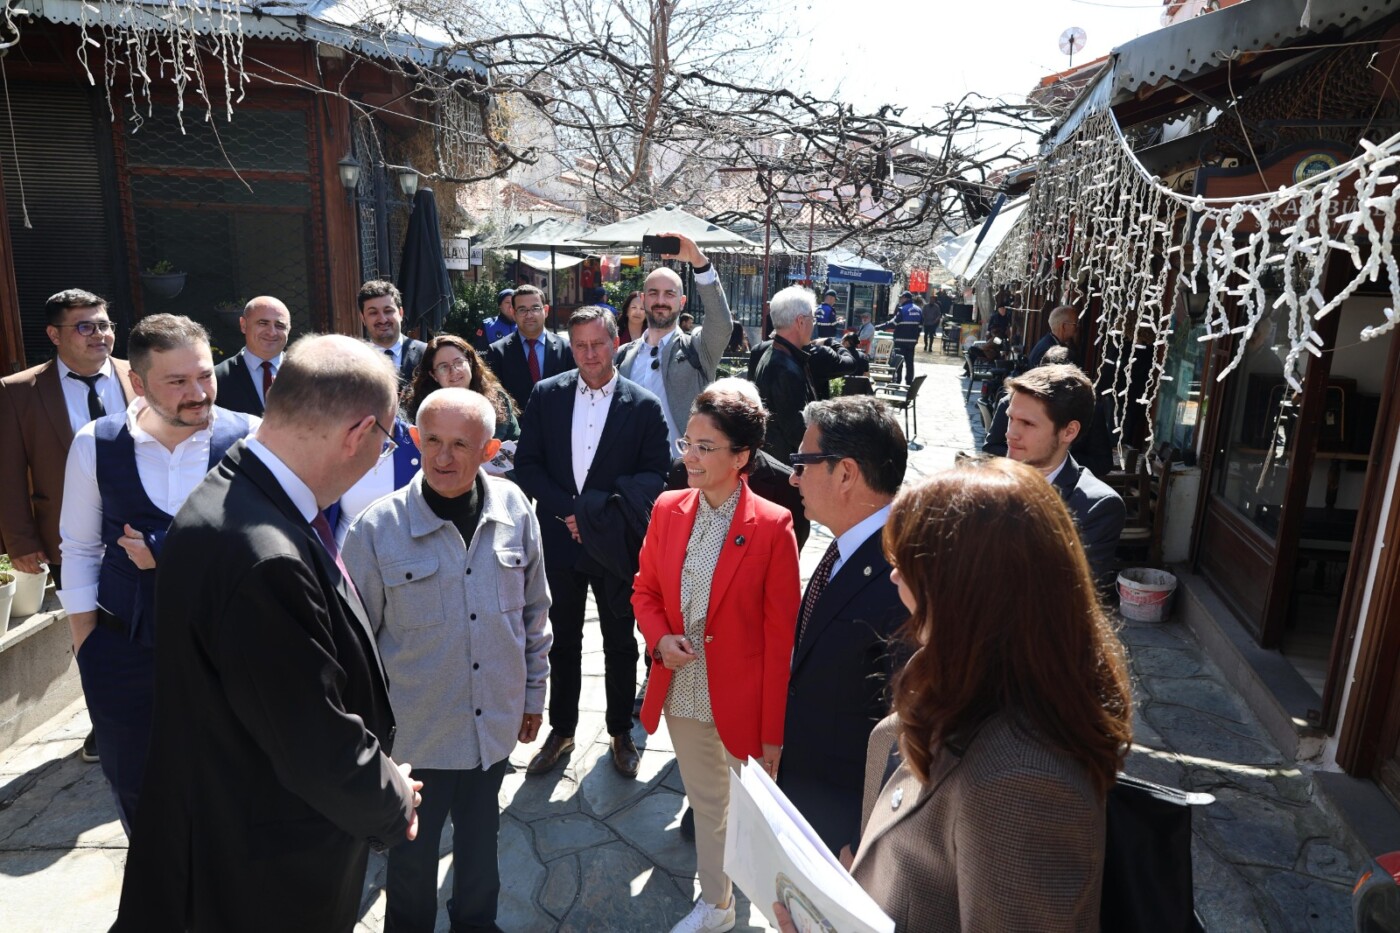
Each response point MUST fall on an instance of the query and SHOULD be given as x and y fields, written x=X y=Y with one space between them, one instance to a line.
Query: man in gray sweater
x=451 y=574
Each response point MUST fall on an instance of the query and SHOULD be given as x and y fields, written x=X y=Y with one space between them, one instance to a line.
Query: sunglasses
x=655 y=363
x=800 y=462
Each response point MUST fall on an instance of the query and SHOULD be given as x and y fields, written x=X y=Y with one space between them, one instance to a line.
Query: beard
x=661 y=318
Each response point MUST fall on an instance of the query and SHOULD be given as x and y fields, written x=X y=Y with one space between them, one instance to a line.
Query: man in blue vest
x=499 y=327
x=826 y=315
x=908 y=321
x=127 y=475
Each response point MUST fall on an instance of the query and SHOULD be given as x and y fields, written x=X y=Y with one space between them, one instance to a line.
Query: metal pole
x=767 y=254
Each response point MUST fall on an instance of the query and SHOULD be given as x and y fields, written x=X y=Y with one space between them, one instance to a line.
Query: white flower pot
x=7 y=597
x=29 y=593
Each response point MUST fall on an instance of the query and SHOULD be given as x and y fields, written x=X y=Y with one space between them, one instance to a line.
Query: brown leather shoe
x=555 y=746
x=625 y=757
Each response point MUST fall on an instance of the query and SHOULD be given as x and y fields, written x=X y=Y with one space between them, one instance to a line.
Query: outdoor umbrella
x=668 y=219
x=423 y=279
x=549 y=234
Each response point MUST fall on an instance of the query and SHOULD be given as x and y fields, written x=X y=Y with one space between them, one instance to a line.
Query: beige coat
x=1007 y=837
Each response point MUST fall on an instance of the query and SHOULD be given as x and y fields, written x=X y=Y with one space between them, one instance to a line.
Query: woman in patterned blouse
x=716 y=598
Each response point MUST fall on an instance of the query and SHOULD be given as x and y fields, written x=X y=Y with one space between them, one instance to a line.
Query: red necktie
x=267 y=378
x=814 y=589
x=323 y=531
x=530 y=345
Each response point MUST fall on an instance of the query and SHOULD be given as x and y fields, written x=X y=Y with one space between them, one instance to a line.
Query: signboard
x=478 y=255
x=1280 y=169
x=918 y=281
x=456 y=251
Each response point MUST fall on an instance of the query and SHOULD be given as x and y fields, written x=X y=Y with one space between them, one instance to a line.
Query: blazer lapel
x=51 y=395
x=731 y=555
x=619 y=413
x=849 y=581
x=685 y=509
x=904 y=795
x=1068 y=478
x=123 y=370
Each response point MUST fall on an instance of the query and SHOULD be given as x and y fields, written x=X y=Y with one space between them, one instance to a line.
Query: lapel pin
x=868 y=571
x=896 y=798
x=739 y=541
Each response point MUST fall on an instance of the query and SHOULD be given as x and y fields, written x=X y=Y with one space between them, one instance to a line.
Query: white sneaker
x=706 y=919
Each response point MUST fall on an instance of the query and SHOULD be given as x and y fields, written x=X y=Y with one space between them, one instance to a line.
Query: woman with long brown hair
x=632 y=321
x=1011 y=718
x=449 y=362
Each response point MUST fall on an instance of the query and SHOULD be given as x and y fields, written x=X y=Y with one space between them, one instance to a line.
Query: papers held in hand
x=773 y=854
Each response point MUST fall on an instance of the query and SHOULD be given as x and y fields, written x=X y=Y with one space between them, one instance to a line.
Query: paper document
x=773 y=854
x=503 y=462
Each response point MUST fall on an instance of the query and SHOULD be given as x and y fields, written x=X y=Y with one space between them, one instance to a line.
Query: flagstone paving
x=586 y=849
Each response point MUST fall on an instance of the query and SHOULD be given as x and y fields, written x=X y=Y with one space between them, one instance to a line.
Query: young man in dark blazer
x=245 y=377
x=381 y=309
x=269 y=777
x=849 y=466
x=593 y=454
x=530 y=354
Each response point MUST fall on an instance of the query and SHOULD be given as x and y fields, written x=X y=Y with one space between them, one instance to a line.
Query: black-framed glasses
x=800 y=462
x=390 y=445
x=683 y=445
x=655 y=362
x=88 y=328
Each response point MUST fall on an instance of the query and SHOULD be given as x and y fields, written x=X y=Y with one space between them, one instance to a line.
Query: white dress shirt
x=373 y=486
x=255 y=370
x=168 y=477
x=590 y=416
x=654 y=381
x=75 y=393
x=396 y=350
x=855 y=536
x=1049 y=477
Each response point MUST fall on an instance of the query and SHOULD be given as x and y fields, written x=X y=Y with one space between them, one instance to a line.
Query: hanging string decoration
x=1099 y=225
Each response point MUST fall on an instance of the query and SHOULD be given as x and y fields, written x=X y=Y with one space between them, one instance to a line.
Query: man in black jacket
x=783 y=372
x=245 y=377
x=381 y=309
x=531 y=353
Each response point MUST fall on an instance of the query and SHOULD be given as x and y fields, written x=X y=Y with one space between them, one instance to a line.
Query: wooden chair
x=905 y=398
x=1145 y=503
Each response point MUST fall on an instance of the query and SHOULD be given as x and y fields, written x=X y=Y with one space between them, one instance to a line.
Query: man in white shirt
x=381 y=309
x=245 y=378
x=127 y=475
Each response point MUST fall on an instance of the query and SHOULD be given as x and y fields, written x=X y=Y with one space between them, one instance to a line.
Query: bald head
x=454 y=437
x=733 y=385
x=663 y=300
x=460 y=403
x=266 y=324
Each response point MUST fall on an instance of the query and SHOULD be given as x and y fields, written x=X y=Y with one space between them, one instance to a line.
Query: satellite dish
x=1071 y=41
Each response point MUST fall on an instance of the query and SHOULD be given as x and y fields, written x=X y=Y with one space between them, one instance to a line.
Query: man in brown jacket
x=41 y=409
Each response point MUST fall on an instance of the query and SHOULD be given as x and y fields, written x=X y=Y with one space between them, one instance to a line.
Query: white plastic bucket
x=29 y=593
x=1145 y=595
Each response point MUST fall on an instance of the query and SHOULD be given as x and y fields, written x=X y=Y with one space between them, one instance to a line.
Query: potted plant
x=7 y=591
x=162 y=280
x=29 y=591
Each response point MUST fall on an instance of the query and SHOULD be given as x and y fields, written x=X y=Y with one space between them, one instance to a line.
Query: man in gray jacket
x=673 y=365
x=451 y=574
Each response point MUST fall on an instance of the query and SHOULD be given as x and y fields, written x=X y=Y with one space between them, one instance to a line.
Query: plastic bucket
x=1145 y=595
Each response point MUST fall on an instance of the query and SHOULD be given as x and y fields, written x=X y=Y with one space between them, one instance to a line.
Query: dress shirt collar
x=301 y=495
x=851 y=540
x=255 y=362
x=725 y=509
x=660 y=344
x=606 y=390
x=1054 y=474
x=104 y=370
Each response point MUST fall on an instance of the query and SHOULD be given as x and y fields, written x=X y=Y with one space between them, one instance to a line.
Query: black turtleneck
x=464 y=511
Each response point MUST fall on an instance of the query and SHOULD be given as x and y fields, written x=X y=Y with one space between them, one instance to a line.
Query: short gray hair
x=737 y=386
x=1059 y=314
x=589 y=313
x=329 y=378
x=472 y=404
x=790 y=304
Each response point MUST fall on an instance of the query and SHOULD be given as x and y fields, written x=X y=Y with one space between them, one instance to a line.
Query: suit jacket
x=691 y=359
x=268 y=778
x=412 y=356
x=754 y=596
x=236 y=389
x=1009 y=835
x=633 y=445
x=1098 y=513
x=35 y=435
x=839 y=690
x=506 y=357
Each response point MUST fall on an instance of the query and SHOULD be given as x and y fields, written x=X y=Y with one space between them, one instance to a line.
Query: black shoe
x=688 y=825
x=554 y=748
x=89 y=752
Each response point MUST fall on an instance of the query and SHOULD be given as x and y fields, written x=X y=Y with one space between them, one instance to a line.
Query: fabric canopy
x=972 y=255
x=423 y=277
x=668 y=219
x=844 y=266
x=546 y=234
x=540 y=259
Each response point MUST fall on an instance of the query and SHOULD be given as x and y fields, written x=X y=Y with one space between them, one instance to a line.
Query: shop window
x=1180 y=405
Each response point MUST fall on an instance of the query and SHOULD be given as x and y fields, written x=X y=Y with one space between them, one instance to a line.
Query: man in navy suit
x=848 y=468
x=381 y=309
x=593 y=454
x=1050 y=407
x=245 y=377
x=530 y=354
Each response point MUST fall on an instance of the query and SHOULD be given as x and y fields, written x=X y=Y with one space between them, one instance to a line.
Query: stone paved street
x=585 y=849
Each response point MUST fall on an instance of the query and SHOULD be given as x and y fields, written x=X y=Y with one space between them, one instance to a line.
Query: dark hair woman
x=449 y=362
x=716 y=597
x=1011 y=718
x=633 y=320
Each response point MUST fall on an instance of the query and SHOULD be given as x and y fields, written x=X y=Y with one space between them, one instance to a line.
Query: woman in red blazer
x=716 y=597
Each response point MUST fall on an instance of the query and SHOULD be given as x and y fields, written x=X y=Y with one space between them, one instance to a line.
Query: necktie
x=389 y=352
x=323 y=531
x=815 y=588
x=267 y=378
x=95 y=407
x=534 y=361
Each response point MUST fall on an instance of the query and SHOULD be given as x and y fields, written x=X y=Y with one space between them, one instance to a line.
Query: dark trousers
x=929 y=334
x=569 y=589
x=471 y=798
x=119 y=678
x=906 y=363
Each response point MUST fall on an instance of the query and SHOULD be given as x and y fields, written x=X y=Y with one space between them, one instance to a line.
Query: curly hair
x=739 y=415
x=981 y=648
x=483 y=380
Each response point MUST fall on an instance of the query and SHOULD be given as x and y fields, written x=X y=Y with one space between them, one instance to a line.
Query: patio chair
x=881 y=372
x=905 y=398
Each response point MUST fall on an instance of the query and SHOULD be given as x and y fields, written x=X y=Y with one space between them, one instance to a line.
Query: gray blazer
x=1007 y=836
x=463 y=633
x=683 y=381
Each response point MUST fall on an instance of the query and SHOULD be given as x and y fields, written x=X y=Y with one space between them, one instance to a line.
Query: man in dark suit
x=1050 y=406
x=245 y=377
x=1062 y=325
x=381 y=309
x=592 y=443
x=530 y=354
x=269 y=777
x=848 y=468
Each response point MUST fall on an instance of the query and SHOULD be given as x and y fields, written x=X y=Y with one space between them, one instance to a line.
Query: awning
x=844 y=266
x=338 y=23
x=539 y=259
x=545 y=234
x=668 y=219
x=971 y=256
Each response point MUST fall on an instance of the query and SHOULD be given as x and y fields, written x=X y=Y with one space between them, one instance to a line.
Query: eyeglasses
x=656 y=363
x=800 y=462
x=390 y=445
x=454 y=366
x=683 y=445
x=88 y=328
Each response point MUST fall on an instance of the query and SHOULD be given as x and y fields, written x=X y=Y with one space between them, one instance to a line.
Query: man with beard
x=381 y=309
x=128 y=474
x=673 y=365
